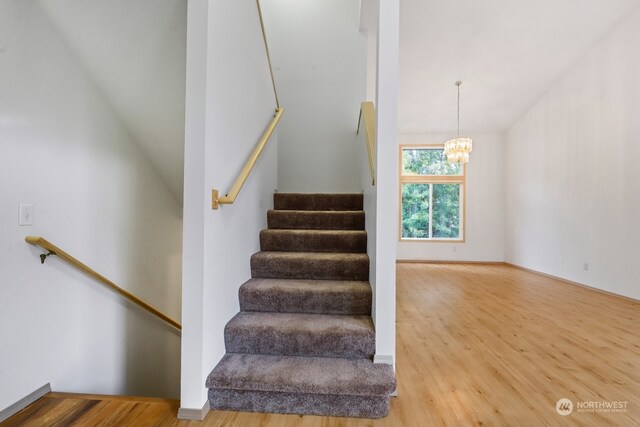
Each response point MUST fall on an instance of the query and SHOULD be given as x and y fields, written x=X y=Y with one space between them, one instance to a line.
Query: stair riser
x=313 y=242
x=310 y=269
x=306 y=302
x=291 y=220
x=302 y=343
x=298 y=403
x=318 y=202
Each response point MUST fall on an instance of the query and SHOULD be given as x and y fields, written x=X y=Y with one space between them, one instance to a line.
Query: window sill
x=418 y=240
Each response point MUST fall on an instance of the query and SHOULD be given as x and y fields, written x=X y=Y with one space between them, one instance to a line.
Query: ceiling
x=507 y=53
x=135 y=53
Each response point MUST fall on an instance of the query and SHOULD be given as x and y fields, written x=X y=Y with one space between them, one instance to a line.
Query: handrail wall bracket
x=43 y=257
x=214 y=199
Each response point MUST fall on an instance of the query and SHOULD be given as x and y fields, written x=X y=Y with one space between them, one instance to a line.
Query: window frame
x=432 y=179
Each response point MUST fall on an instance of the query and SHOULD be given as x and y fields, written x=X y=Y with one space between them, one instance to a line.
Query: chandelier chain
x=457 y=150
x=458 y=83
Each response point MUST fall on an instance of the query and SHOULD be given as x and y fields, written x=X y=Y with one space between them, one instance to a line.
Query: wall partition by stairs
x=304 y=339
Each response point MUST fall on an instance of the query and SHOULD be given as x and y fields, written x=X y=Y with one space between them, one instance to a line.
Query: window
x=431 y=195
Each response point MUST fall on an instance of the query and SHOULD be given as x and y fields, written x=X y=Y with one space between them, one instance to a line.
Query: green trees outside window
x=446 y=211
x=416 y=206
x=432 y=195
x=420 y=161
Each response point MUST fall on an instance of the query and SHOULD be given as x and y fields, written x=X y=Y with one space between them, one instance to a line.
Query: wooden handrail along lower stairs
x=54 y=250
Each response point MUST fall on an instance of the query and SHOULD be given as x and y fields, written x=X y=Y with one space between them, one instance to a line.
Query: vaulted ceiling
x=507 y=52
x=135 y=52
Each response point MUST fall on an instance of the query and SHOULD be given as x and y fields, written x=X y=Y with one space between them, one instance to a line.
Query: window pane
x=415 y=211
x=423 y=161
x=446 y=211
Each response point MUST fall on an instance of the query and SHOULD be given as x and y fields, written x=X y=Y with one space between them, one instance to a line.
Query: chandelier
x=457 y=150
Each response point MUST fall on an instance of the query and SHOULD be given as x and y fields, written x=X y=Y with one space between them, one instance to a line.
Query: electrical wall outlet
x=585 y=266
x=26 y=215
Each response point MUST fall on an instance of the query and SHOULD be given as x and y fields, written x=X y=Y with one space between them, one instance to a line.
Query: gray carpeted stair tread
x=306 y=296
x=310 y=265
x=354 y=241
x=316 y=220
x=318 y=202
x=295 y=334
x=317 y=375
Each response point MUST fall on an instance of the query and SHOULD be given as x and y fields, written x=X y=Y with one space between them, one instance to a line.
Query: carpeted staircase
x=304 y=340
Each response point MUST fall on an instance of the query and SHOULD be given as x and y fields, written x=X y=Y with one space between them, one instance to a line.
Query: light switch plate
x=26 y=215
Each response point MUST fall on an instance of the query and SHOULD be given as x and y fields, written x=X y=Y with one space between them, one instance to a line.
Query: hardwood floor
x=477 y=345
x=62 y=409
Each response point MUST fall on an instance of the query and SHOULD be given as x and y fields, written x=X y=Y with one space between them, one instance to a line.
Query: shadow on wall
x=154 y=243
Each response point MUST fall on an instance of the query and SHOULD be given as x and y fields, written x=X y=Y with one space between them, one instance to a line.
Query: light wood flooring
x=477 y=345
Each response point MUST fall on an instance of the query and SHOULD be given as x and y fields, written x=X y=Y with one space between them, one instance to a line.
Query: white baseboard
x=193 y=414
x=24 y=402
x=570 y=282
x=383 y=358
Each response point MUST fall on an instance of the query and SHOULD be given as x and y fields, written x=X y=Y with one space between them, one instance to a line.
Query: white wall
x=319 y=58
x=369 y=27
x=229 y=104
x=484 y=234
x=372 y=64
x=95 y=195
x=572 y=192
x=195 y=205
x=384 y=303
x=369 y=205
x=135 y=53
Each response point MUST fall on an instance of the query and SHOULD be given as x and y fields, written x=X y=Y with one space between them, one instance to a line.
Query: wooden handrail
x=248 y=167
x=54 y=250
x=266 y=46
x=230 y=197
x=368 y=110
